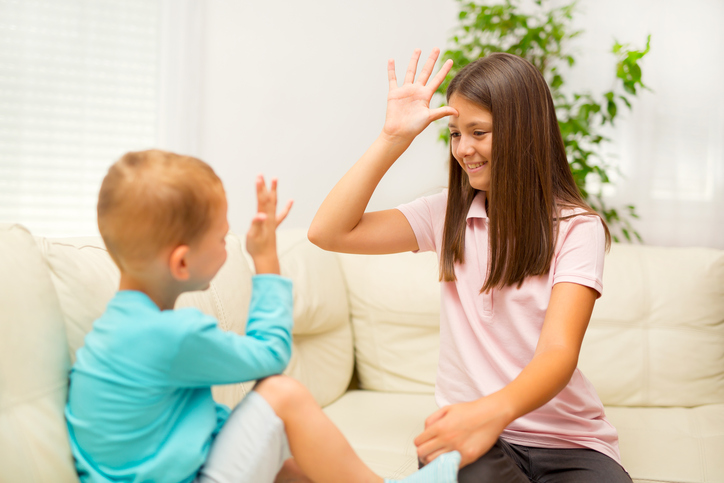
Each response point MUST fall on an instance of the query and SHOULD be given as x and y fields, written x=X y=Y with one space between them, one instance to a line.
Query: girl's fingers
x=427 y=435
x=427 y=68
x=441 y=112
x=431 y=447
x=435 y=417
x=435 y=454
x=440 y=76
x=412 y=67
x=391 y=74
x=285 y=212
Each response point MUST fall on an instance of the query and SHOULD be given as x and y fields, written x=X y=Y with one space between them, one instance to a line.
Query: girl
x=521 y=261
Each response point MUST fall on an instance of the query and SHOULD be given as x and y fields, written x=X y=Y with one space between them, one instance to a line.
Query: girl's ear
x=178 y=263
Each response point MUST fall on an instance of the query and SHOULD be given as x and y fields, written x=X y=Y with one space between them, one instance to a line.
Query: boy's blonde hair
x=152 y=200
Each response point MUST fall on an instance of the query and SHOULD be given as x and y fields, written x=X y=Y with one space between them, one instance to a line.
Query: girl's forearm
x=344 y=206
x=539 y=382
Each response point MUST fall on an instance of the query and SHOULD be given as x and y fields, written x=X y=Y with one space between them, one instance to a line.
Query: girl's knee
x=495 y=465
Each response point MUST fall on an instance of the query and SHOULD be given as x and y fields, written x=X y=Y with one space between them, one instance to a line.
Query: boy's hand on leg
x=261 y=237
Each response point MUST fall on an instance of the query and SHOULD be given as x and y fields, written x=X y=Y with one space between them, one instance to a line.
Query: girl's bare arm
x=472 y=428
x=341 y=223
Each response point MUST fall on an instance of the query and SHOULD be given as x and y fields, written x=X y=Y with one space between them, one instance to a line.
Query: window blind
x=78 y=88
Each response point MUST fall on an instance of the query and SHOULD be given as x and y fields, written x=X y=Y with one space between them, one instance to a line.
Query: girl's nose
x=464 y=147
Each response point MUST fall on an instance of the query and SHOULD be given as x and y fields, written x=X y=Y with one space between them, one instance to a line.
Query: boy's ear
x=178 y=263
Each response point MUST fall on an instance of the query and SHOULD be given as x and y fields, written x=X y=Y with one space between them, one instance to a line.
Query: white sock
x=443 y=469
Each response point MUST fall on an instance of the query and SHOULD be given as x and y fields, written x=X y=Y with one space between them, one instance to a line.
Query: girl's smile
x=471 y=140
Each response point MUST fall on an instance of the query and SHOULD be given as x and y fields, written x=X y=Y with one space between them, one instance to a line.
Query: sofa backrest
x=34 y=364
x=54 y=289
x=656 y=337
x=395 y=313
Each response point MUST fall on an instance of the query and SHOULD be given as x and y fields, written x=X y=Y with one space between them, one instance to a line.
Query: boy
x=140 y=406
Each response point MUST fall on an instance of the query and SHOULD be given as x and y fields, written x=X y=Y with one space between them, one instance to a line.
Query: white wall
x=670 y=148
x=297 y=90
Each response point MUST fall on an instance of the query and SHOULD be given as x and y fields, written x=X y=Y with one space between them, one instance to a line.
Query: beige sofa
x=654 y=350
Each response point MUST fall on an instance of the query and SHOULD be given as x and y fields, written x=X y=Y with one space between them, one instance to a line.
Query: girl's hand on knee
x=470 y=428
x=408 y=105
x=261 y=237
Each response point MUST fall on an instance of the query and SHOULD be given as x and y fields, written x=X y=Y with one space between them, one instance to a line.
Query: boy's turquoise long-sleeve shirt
x=139 y=405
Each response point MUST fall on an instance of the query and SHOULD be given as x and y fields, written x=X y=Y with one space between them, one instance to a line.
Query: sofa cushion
x=381 y=427
x=86 y=278
x=683 y=445
x=658 y=445
x=395 y=310
x=34 y=366
x=322 y=357
x=656 y=337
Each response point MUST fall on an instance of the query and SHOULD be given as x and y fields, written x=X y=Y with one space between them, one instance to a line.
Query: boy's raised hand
x=408 y=105
x=261 y=242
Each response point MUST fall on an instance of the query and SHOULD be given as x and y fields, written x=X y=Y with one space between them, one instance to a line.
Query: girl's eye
x=454 y=134
x=479 y=133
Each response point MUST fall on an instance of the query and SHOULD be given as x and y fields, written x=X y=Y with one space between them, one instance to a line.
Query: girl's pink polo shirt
x=487 y=339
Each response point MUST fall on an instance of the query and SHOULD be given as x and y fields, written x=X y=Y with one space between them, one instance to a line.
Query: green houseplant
x=541 y=35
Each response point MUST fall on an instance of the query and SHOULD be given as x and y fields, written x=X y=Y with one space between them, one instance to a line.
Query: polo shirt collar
x=477 y=207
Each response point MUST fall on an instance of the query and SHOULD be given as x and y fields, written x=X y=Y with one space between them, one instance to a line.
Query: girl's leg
x=321 y=450
x=575 y=466
x=500 y=463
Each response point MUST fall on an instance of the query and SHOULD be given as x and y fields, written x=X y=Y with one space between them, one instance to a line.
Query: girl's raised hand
x=261 y=237
x=408 y=105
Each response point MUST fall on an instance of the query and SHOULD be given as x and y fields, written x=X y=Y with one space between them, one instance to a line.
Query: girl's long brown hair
x=530 y=178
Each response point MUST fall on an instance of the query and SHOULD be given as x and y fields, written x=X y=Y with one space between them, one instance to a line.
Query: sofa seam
x=219 y=306
x=28 y=450
x=646 y=326
x=627 y=325
x=696 y=432
x=350 y=323
x=34 y=395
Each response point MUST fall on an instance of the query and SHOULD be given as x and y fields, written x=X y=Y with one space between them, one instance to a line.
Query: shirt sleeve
x=581 y=252
x=208 y=355
x=426 y=216
x=222 y=414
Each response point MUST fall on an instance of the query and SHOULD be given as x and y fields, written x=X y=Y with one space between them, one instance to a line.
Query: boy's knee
x=283 y=392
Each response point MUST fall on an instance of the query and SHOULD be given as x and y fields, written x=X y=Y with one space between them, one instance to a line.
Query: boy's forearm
x=267 y=264
x=270 y=321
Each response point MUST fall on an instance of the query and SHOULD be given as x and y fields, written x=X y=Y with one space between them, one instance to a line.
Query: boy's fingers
x=285 y=212
x=257 y=222
x=273 y=196
x=260 y=189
